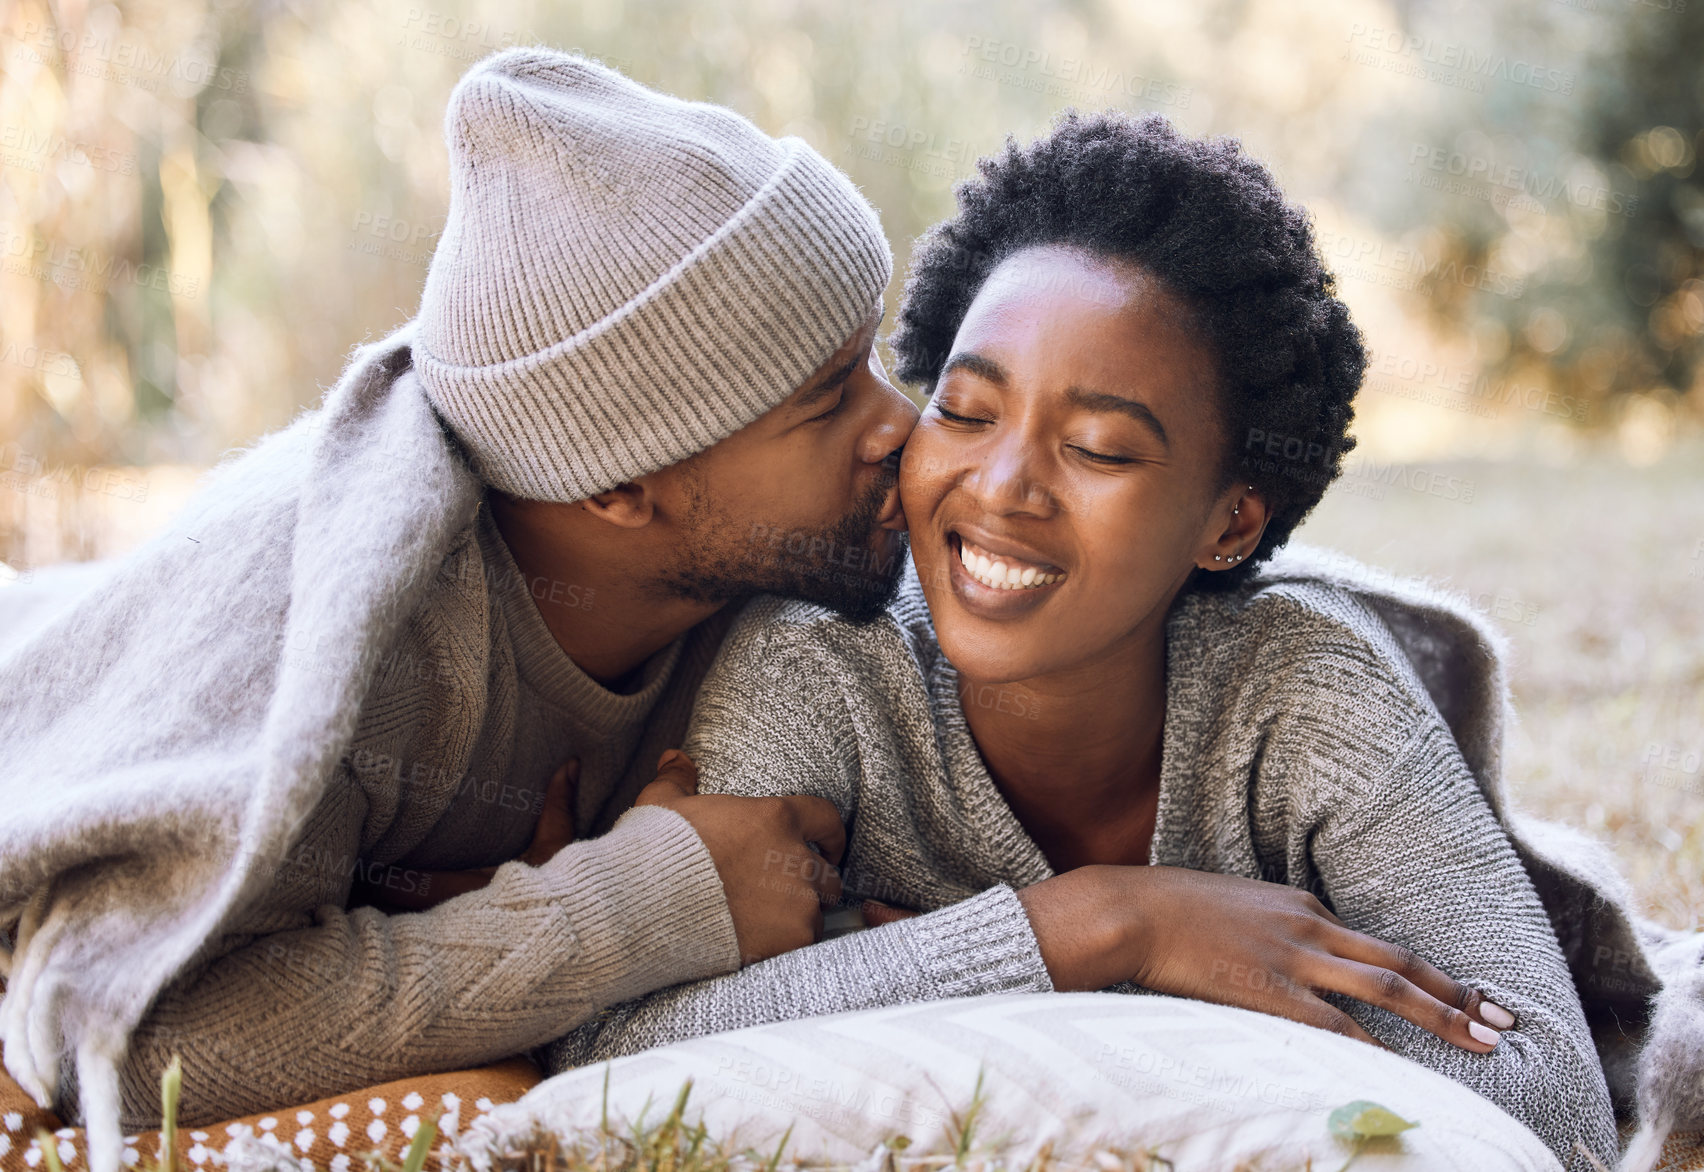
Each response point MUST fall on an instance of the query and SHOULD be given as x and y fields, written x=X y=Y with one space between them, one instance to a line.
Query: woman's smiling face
x=1065 y=479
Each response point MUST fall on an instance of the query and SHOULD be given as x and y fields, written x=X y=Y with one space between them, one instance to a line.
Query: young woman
x=1084 y=695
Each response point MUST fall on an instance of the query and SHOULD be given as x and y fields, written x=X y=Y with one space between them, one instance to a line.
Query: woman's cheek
x=923 y=473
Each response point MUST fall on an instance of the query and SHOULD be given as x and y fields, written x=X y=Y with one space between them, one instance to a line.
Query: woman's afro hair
x=1212 y=226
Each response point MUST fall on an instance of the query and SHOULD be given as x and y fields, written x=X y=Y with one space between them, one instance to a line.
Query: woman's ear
x=627 y=506
x=1238 y=519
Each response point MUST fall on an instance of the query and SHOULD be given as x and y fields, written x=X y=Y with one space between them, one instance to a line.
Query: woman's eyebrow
x=978 y=365
x=1101 y=401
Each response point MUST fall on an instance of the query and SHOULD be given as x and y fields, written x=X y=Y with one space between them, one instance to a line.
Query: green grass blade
x=49 y=1150
x=415 y=1160
x=171 y=1084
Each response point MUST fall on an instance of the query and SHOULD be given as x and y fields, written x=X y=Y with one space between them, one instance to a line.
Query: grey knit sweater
x=1301 y=746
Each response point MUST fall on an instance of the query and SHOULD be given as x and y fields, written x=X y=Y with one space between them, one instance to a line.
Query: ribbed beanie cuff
x=794 y=262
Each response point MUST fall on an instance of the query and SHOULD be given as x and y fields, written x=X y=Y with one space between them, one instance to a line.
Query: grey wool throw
x=1327 y=726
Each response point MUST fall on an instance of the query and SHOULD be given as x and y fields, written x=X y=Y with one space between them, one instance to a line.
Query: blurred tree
x=1646 y=113
x=1601 y=215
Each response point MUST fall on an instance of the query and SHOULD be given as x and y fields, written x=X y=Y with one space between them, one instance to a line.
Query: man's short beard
x=836 y=566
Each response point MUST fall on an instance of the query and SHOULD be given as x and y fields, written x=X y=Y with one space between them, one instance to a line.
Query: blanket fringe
x=98 y=1059
x=30 y=1057
x=1646 y=1148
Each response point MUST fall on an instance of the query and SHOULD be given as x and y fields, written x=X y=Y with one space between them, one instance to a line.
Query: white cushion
x=1204 y=1085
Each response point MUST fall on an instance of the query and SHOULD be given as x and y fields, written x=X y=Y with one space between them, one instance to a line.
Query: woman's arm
x=771 y=720
x=1415 y=857
x=981 y=945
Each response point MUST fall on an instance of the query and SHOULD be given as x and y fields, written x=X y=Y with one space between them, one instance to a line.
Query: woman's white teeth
x=1001 y=576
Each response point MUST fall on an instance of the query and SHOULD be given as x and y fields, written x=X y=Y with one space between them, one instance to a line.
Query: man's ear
x=628 y=506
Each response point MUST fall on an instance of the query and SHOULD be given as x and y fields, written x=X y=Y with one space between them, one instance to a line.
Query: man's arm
x=298 y=1013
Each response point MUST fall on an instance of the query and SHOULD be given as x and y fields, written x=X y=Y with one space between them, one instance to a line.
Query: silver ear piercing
x=1233 y=557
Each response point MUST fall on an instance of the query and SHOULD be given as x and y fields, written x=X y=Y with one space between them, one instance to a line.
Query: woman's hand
x=555 y=830
x=1235 y=941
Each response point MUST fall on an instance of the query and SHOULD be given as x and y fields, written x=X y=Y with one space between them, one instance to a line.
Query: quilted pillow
x=1204 y=1086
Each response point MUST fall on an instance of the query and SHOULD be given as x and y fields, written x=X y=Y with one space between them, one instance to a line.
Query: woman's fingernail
x=1496 y=1015
x=1483 y=1033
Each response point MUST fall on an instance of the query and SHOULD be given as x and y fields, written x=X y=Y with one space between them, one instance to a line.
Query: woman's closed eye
x=956 y=418
x=1104 y=458
x=1100 y=457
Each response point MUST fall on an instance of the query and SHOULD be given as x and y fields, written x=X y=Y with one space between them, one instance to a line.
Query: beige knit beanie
x=624 y=277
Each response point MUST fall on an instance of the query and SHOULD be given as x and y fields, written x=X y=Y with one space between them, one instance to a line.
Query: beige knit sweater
x=470 y=713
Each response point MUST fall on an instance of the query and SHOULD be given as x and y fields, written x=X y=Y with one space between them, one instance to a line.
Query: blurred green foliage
x=206 y=203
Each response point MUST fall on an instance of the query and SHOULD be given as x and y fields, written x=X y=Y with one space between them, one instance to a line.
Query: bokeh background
x=205 y=204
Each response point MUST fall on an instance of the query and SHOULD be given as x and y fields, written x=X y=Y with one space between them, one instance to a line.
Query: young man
x=640 y=386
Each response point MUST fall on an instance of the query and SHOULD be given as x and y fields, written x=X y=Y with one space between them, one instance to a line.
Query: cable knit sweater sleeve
x=1382 y=819
x=302 y=997
x=771 y=719
x=357 y=997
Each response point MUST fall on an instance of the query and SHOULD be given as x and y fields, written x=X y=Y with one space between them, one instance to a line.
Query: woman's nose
x=1006 y=480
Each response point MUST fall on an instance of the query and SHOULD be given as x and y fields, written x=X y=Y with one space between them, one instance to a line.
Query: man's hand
x=1236 y=941
x=776 y=885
